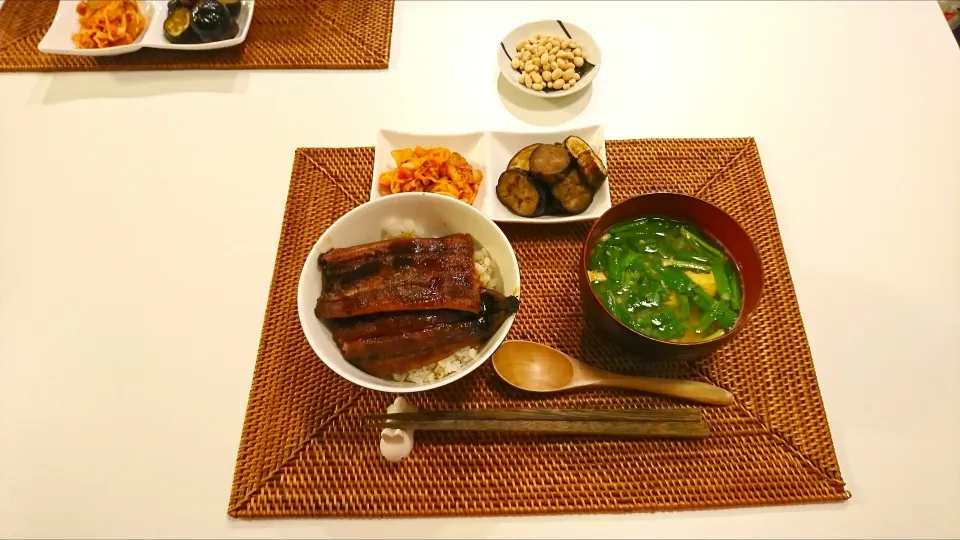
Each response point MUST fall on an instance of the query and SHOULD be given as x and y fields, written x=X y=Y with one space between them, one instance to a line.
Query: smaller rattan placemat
x=302 y=452
x=284 y=34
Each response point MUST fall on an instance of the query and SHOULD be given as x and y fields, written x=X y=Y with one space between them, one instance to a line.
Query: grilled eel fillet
x=397 y=343
x=403 y=274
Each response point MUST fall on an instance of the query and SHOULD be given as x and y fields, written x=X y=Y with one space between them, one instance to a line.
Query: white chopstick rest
x=396 y=444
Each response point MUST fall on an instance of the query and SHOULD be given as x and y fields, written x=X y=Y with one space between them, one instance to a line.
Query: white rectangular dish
x=490 y=152
x=66 y=23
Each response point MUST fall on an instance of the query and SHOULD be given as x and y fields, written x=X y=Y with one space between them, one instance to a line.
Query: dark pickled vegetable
x=212 y=20
x=521 y=194
x=233 y=6
x=548 y=162
x=521 y=161
x=234 y=30
x=176 y=27
x=553 y=206
x=572 y=194
x=554 y=172
x=666 y=280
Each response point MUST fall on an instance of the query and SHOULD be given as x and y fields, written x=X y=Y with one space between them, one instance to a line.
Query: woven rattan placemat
x=284 y=34
x=302 y=453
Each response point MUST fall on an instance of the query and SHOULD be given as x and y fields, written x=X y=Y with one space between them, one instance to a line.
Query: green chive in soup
x=666 y=280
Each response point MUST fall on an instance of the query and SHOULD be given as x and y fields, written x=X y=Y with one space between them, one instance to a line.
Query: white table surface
x=134 y=273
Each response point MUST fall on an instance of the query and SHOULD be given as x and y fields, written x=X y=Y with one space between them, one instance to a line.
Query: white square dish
x=66 y=23
x=155 y=39
x=503 y=145
x=472 y=146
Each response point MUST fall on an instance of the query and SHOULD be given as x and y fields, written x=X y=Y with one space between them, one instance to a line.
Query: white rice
x=489 y=279
x=401 y=228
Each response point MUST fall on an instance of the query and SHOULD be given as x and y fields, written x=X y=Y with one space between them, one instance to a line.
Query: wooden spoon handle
x=678 y=388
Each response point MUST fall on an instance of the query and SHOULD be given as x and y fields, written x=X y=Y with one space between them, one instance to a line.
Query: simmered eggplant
x=548 y=162
x=233 y=6
x=521 y=161
x=521 y=194
x=234 y=30
x=576 y=146
x=211 y=20
x=177 y=26
x=572 y=194
x=593 y=171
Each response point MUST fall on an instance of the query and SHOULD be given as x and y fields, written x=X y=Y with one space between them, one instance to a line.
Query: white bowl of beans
x=549 y=58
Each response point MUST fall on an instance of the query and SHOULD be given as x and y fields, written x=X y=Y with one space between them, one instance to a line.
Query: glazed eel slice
x=387 y=354
x=403 y=274
x=390 y=324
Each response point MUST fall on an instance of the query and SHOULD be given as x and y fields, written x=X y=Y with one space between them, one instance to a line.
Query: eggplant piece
x=592 y=169
x=548 y=162
x=553 y=206
x=573 y=195
x=234 y=30
x=177 y=26
x=576 y=146
x=521 y=194
x=211 y=20
x=233 y=6
x=521 y=161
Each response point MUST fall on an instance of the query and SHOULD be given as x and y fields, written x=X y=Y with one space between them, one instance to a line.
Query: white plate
x=471 y=146
x=491 y=152
x=506 y=50
x=504 y=145
x=59 y=37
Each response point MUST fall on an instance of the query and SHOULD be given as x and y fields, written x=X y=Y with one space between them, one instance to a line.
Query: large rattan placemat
x=302 y=453
x=284 y=34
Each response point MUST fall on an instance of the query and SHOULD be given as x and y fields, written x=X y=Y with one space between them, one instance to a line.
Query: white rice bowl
x=406 y=215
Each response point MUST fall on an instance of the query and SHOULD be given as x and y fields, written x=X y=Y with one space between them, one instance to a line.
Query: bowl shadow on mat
x=541 y=111
x=600 y=352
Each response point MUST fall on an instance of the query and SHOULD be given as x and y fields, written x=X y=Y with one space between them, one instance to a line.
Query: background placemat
x=285 y=34
x=303 y=454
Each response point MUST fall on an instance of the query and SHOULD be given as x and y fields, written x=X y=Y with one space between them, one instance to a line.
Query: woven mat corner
x=284 y=34
x=302 y=454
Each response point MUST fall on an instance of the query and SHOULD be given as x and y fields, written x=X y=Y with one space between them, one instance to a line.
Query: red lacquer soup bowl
x=722 y=230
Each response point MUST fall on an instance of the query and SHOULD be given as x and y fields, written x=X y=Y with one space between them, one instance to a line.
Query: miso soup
x=666 y=280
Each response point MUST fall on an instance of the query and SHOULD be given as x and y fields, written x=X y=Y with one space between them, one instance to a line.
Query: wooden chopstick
x=682 y=430
x=583 y=415
x=672 y=423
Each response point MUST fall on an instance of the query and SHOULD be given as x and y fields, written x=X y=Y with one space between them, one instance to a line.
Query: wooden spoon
x=537 y=368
